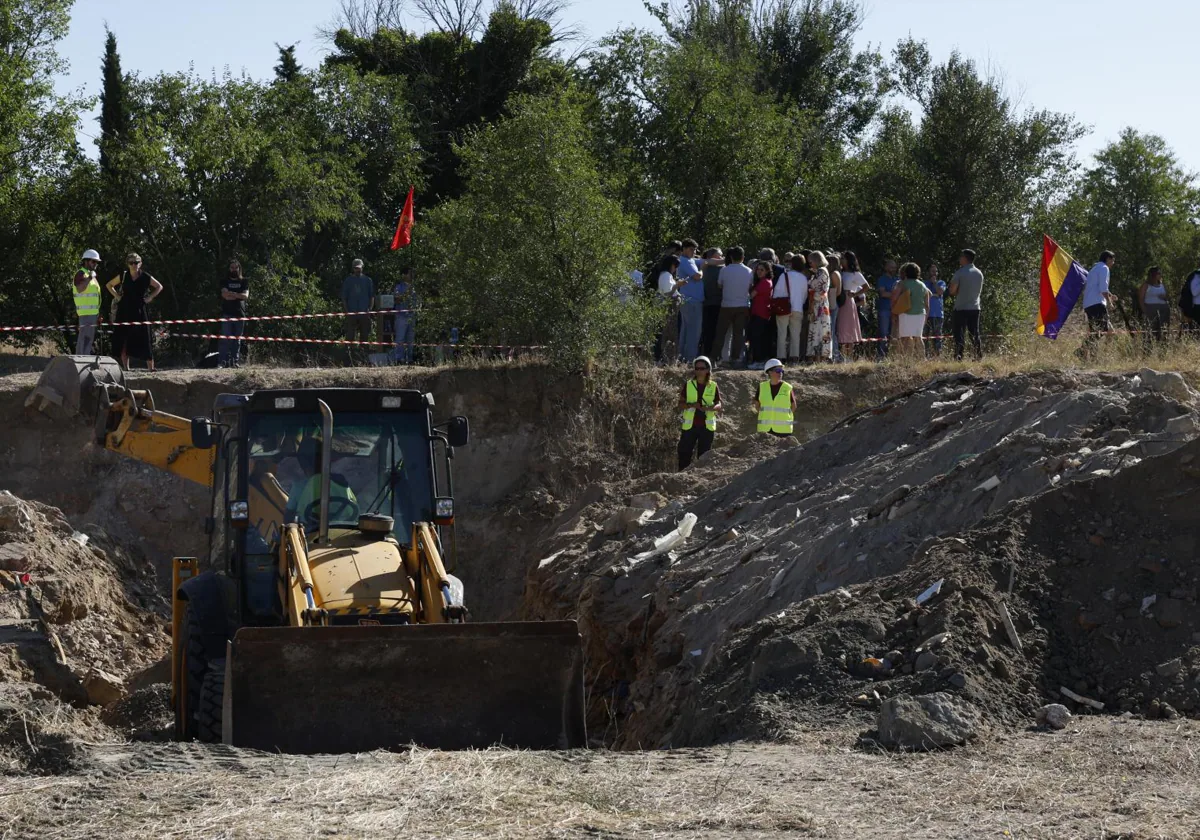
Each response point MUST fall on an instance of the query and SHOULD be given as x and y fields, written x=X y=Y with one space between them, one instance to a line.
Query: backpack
x=1186 y=302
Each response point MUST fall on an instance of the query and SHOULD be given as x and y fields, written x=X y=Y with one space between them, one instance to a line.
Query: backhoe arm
x=128 y=424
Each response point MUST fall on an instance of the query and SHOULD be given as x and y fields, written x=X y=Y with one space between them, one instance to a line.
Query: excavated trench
x=538 y=438
x=804 y=560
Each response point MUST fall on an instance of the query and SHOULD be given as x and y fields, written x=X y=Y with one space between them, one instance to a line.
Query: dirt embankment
x=1074 y=486
x=538 y=438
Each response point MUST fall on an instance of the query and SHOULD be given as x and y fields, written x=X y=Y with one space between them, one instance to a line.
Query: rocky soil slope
x=794 y=600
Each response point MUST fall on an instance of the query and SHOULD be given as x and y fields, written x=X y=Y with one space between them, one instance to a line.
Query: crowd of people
x=809 y=306
x=819 y=306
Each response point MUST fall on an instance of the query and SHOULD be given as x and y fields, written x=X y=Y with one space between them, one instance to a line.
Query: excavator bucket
x=445 y=686
x=70 y=385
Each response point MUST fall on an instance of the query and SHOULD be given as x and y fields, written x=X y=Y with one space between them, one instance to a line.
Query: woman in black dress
x=133 y=290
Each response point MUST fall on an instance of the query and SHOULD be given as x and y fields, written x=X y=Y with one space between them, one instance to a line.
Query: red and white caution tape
x=227 y=320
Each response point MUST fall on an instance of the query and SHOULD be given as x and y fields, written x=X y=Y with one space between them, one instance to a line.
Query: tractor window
x=380 y=463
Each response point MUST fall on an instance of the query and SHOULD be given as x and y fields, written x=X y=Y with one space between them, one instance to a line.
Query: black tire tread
x=211 y=705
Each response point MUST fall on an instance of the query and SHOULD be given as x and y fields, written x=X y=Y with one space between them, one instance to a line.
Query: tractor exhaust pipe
x=326 y=466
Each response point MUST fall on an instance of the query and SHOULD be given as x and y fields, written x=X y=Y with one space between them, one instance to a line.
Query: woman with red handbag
x=760 y=314
x=787 y=302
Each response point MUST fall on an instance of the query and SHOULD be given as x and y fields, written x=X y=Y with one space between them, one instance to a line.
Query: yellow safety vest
x=710 y=398
x=87 y=302
x=775 y=413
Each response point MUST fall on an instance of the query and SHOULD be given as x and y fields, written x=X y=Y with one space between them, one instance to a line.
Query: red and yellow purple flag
x=1062 y=284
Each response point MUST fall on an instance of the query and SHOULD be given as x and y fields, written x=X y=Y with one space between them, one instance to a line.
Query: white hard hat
x=704 y=359
x=89 y=254
x=772 y=364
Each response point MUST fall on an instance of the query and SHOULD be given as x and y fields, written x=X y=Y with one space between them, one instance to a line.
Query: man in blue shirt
x=884 y=287
x=691 y=309
x=1096 y=298
x=936 y=321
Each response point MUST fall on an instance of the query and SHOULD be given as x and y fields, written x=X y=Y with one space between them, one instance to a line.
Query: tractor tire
x=212 y=703
x=196 y=666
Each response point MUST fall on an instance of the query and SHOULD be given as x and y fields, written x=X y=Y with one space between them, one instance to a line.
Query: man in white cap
x=87 y=302
x=775 y=403
x=358 y=291
x=700 y=401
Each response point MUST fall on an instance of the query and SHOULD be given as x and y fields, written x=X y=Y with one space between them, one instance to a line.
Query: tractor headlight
x=285 y=402
x=443 y=508
x=239 y=511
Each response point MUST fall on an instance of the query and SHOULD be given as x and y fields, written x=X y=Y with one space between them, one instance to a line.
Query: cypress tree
x=114 y=110
x=288 y=68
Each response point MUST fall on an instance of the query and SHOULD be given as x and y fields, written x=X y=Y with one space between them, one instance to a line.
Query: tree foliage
x=536 y=254
x=542 y=178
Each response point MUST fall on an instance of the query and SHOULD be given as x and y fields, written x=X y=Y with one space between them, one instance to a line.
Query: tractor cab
x=350 y=466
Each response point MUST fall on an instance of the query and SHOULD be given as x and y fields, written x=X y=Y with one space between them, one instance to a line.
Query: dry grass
x=1102 y=778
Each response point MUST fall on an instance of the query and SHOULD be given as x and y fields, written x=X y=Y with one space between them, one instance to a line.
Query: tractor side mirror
x=204 y=435
x=458 y=431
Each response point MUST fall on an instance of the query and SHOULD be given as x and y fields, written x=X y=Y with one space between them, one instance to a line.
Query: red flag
x=403 y=237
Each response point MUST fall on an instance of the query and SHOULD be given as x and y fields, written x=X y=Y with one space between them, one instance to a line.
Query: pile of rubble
x=996 y=542
x=82 y=625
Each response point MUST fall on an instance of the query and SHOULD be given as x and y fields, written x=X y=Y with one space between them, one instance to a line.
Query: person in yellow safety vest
x=775 y=403
x=86 y=290
x=304 y=500
x=700 y=401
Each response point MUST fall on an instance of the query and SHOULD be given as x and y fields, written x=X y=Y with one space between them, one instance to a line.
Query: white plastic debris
x=778 y=579
x=698 y=652
x=860 y=558
x=991 y=484
x=1148 y=602
x=547 y=561
x=80 y=538
x=930 y=592
x=1136 y=382
x=672 y=540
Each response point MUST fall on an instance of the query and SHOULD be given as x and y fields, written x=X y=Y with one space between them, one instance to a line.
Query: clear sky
x=1110 y=62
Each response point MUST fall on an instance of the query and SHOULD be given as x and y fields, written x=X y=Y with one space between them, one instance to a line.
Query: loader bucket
x=70 y=384
x=445 y=686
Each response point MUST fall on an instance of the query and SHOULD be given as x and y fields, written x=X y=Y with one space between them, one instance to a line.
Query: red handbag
x=782 y=306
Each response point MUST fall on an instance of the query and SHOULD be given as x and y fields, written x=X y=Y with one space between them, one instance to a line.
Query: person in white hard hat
x=700 y=402
x=775 y=403
x=87 y=302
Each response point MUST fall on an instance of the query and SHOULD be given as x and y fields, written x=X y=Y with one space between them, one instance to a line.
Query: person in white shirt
x=793 y=285
x=849 y=328
x=1096 y=298
x=666 y=345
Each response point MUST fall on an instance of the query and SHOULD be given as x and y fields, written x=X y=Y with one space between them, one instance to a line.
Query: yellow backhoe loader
x=327 y=620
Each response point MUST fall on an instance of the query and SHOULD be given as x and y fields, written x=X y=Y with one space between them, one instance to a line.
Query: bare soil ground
x=1101 y=778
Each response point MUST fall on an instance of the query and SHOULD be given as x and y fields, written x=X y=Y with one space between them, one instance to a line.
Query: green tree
x=114 y=111
x=276 y=175
x=694 y=149
x=456 y=82
x=534 y=252
x=288 y=69
x=1140 y=203
x=39 y=160
x=971 y=174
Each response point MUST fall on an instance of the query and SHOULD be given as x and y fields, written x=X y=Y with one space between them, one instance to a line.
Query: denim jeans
x=405 y=330
x=228 y=354
x=885 y=331
x=691 y=316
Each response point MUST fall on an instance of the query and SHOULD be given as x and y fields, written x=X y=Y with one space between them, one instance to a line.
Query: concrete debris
x=1079 y=698
x=1054 y=715
x=102 y=688
x=926 y=722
